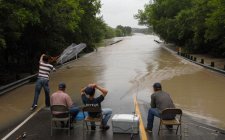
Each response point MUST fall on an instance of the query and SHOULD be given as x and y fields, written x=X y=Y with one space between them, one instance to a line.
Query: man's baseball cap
x=89 y=91
x=157 y=86
x=62 y=85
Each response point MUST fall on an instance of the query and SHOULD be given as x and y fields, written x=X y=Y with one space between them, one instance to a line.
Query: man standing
x=42 y=81
x=87 y=95
x=160 y=100
x=62 y=98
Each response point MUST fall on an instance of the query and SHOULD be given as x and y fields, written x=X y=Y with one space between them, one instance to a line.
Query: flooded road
x=129 y=69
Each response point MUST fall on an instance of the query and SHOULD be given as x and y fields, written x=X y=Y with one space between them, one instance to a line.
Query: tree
x=109 y=32
x=215 y=27
x=197 y=25
x=31 y=27
x=123 y=31
x=89 y=23
x=184 y=24
x=14 y=17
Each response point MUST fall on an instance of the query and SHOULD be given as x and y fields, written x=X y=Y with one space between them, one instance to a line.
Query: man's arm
x=83 y=96
x=104 y=91
x=69 y=101
x=153 y=104
x=41 y=58
x=82 y=91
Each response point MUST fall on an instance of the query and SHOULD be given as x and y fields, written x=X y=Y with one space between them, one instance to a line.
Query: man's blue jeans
x=74 y=111
x=151 y=113
x=106 y=112
x=42 y=82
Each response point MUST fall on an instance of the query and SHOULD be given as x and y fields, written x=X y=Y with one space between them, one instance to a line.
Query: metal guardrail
x=202 y=64
x=6 y=88
x=198 y=63
x=18 y=83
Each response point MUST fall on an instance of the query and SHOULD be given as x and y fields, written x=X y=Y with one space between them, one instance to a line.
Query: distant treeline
x=143 y=30
x=29 y=28
x=196 y=25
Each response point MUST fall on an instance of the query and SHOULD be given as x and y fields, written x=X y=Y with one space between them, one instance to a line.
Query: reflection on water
x=126 y=69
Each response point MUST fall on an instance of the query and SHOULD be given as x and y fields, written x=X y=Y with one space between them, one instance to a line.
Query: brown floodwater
x=126 y=69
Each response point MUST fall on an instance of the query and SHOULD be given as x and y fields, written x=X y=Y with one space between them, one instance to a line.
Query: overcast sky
x=121 y=12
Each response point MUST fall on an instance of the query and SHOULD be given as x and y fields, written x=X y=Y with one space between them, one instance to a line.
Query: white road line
x=20 y=125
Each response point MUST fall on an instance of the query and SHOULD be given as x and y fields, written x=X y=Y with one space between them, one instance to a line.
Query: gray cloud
x=121 y=12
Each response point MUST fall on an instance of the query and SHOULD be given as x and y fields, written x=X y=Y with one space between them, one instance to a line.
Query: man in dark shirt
x=160 y=100
x=87 y=95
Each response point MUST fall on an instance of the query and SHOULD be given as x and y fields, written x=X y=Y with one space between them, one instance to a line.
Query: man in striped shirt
x=43 y=78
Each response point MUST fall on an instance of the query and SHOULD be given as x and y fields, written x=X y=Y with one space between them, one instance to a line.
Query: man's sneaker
x=33 y=107
x=93 y=127
x=47 y=108
x=105 y=127
x=148 y=130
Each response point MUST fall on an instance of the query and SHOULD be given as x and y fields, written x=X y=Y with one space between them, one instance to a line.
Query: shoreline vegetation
x=198 y=26
x=31 y=28
x=28 y=77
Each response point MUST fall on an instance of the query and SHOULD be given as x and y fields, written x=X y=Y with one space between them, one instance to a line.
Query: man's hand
x=92 y=85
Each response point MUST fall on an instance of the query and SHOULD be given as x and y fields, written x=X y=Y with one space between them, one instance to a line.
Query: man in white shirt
x=42 y=82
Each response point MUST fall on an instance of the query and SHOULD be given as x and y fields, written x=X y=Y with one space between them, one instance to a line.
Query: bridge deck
x=38 y=127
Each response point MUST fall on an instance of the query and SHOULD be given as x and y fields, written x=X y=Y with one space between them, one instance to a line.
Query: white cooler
x=125 y=123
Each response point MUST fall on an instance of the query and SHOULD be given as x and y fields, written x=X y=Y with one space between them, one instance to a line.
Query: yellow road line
x=143 y=134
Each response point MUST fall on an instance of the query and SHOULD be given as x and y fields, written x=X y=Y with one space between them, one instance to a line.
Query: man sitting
x=160 y=100
x=62 y=98
x=87 y=95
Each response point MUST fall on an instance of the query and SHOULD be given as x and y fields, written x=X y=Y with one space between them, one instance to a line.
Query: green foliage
x=91 y=28
x=197 y=25
x=2 y=43
x=31 y=27
x=215 y=27
x=109 y=32
x=183 y=26
x=123 y=30
x=119 y=32
x=216 y=20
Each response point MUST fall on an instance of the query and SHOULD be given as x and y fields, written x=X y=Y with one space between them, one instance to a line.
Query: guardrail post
x=202 y=61
x=212 y=64
x=195 y=58
x=191 y=57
